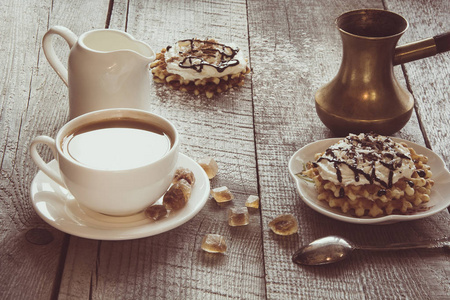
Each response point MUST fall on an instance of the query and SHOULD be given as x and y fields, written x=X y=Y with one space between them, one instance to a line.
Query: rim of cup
x=114 y=113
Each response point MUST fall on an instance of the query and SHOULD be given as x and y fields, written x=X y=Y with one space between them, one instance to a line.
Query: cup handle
x=49 y=51
x=54 y=175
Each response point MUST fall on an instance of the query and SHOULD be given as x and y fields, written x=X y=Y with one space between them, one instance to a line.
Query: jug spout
x=144 y=53
x=421 y=49
x=115 y=41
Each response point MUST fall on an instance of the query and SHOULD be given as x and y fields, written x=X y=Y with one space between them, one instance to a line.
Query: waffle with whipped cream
x=200 y=66
x=371 y=175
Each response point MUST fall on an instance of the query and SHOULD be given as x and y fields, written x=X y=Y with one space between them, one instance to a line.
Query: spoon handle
x=437 y=243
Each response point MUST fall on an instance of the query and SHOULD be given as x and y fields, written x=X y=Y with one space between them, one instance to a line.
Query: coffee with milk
x=116 y=144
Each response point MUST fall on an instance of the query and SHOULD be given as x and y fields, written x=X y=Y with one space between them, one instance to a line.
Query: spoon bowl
x=323 y=251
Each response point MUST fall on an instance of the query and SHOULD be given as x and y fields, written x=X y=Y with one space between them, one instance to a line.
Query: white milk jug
x=106 y=69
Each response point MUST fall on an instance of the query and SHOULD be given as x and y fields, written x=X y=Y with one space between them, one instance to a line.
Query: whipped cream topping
x=198 y=59
x=366 y=159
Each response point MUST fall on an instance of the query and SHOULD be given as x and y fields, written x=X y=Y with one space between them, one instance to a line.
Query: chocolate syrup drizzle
x=381 y=151
x=193 y=59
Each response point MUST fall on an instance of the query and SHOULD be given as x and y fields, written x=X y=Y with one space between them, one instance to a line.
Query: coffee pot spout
x=421 y=49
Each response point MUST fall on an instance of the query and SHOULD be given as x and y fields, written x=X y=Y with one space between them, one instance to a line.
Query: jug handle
x=49 y=51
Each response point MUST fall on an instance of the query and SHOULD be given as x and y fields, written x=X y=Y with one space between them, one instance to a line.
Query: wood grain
x=33 y=103
x=293 y=48
x=428 y=77
x=172 y=265
x=29 y=264
x=301 y=53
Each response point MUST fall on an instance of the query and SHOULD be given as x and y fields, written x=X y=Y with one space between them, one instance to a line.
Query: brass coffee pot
x=365 y=95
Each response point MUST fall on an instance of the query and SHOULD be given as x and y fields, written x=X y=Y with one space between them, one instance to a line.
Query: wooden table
x=293 y=49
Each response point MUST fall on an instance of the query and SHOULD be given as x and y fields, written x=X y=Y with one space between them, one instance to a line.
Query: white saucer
x=440 y=192
x=56 y=206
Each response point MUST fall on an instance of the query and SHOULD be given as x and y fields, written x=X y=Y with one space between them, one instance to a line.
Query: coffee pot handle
x=49 y=51
x=421 y=49
x=54 y=175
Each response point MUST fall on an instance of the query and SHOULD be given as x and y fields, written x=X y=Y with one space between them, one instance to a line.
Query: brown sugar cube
x=252 y=201
x=238 y=216
x=222 y=194
x=177 y=196
x=156 y=212
x=214 y=243
x=184 y=173
x=210 y=166
x=284 y=225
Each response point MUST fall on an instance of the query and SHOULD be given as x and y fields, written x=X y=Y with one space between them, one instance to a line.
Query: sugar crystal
x=210 y=166
x=156 y=212
x=222 y=194
x=178 y=195
x=238 y=216
x=284 y=225
x=214 y=243
x=184 y=173
x=252 y=201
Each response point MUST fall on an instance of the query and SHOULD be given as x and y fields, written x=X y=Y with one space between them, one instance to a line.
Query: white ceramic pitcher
x=106 y=69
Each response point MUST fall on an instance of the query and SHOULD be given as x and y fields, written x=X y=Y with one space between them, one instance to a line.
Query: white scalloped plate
x=440 y=193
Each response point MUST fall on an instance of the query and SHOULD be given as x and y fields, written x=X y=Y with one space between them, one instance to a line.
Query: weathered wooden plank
x=299 y=47
x=172 y=265
x=33 y=102
x=29 y=249
x=429 y=78
x=294 y=48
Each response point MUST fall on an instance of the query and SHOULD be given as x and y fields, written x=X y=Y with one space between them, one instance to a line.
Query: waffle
x=377 y=198
x=200 y=67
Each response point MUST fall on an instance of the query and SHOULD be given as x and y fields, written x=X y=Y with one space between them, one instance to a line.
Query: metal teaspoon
x=332 y=249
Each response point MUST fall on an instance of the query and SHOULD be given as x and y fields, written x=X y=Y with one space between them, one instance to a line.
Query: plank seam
x=109 y=14
x=126 y=16
x=66 y=239
x=416 y=108
x=256 y=153
x=60 y=268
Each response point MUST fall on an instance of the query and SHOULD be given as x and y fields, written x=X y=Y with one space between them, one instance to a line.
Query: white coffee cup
x=117 y=187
